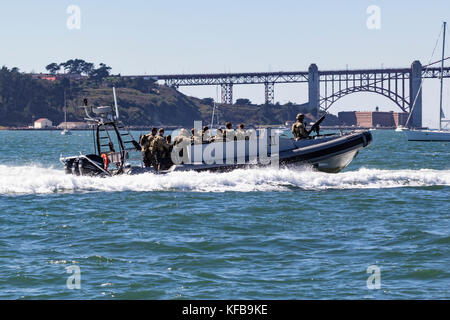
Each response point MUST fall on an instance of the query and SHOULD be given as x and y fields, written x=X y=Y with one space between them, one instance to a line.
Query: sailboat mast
x=65 y=110
x=442 y=76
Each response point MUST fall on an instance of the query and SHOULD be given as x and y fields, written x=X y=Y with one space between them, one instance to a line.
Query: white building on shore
x=42 y=123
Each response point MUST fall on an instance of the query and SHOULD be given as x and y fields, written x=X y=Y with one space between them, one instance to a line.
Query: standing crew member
x=145 y=143
x=166 y=160
x=298 y=128
x=159 y=147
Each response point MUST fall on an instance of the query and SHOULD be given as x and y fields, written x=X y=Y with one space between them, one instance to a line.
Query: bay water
x=288 y=233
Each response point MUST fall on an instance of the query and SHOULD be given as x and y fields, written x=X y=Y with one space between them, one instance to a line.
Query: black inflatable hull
x=330 y=156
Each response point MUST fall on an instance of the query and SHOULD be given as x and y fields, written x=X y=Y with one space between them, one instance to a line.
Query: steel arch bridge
x=397 y=99
x=391 y=84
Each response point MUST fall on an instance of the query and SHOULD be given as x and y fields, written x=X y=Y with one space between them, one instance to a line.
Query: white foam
x=38 y=180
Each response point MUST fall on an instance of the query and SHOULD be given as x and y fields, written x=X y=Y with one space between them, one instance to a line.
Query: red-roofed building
x=58 y=76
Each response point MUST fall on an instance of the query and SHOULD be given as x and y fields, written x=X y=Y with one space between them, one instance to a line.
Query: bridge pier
x=415 y=94
x=313 y=88
x=269 y=92
x=227 y=93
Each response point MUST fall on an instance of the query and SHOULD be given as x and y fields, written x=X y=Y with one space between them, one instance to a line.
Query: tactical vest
x=157 y=144
x=299 y=130
x=146 y=141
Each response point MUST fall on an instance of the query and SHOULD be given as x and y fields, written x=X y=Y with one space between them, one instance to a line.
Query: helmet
x=300 y=116
x=184 y=132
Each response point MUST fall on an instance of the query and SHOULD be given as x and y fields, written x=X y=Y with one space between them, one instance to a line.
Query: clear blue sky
x=137 y=37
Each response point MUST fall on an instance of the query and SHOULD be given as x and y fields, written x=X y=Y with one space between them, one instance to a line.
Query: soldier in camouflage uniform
x=298 y=128
x=145 y=143
x=160 y=149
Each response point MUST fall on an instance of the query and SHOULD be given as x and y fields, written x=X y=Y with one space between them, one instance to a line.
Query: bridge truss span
x=403 y=86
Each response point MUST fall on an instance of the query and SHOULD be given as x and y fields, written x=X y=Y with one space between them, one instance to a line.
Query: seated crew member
x=224 y=135
x=229 y=132
x=206 y=134
x=195 y=137
x=240 y=132
x=251 y=134
x=183 y=138
x=219 y=136
x=180 y=142
x=298 y=128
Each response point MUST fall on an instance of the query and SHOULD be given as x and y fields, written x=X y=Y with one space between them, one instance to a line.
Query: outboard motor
x=109 y=135
x=68 y=166
x=81 y=169
x=87 y=167
x=75 y=169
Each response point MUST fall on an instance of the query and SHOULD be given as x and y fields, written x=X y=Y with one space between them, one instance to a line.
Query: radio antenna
x=115 y=103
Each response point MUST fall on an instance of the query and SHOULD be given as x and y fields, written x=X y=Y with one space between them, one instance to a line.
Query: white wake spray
x=38 y=180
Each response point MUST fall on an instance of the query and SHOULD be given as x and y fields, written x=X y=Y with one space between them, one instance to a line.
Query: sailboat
x=401 y=128
x=65 y=131
x=443 y=133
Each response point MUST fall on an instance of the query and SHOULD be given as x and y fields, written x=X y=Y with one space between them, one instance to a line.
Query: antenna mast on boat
x=214 y=109
x=442 y=77
x=115 y=103
x=212 y=117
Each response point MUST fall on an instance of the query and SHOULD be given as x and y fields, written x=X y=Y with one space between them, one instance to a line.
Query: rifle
x=316 y=126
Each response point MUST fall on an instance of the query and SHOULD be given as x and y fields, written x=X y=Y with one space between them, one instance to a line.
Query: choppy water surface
x=259 y=234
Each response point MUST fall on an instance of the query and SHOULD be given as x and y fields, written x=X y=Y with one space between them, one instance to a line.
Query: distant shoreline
x=135 y=128
x=83 y=129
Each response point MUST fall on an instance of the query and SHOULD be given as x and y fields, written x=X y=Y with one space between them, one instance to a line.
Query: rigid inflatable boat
x=116 y=149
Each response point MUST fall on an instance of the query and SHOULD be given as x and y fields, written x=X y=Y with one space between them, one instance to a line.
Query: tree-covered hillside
x=142 y=102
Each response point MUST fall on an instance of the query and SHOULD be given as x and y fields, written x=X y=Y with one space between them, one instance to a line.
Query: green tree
x=243 y=102
x=87 y=68
x=78 y=66
x=101 y=72
x=207 y=101
x=53 y=68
